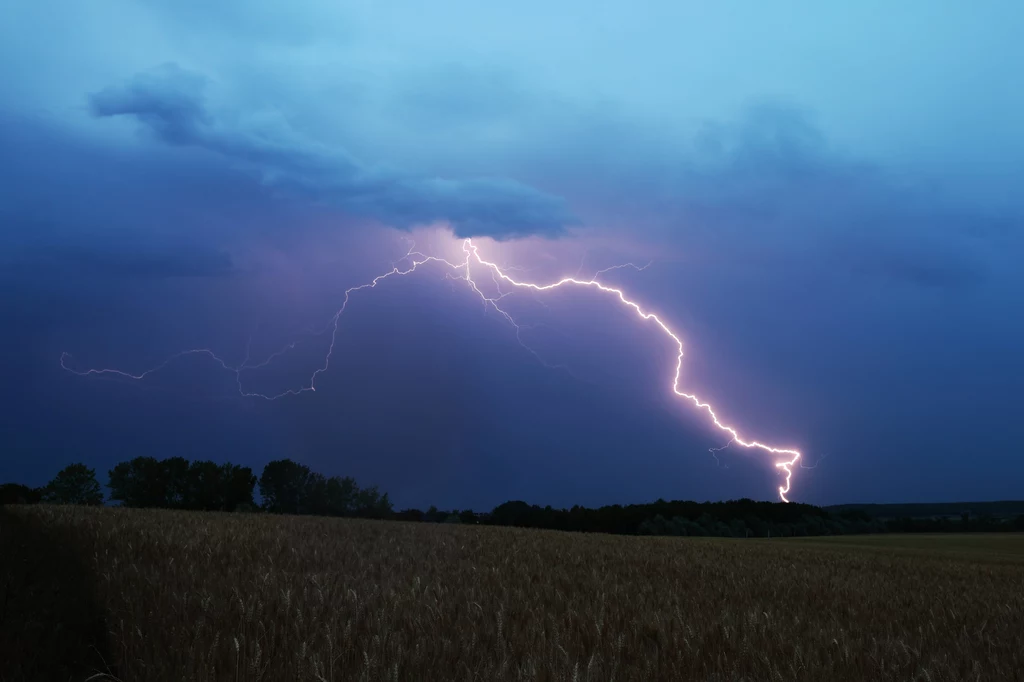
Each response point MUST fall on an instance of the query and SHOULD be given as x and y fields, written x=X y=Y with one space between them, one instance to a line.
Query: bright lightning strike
x=463 y=270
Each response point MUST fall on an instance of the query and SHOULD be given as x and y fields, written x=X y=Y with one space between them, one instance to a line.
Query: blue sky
x=826 y=194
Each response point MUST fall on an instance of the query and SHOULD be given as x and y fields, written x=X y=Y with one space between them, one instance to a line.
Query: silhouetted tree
x=174 y=474
x=237 y=483
x=370 y=503
x=511 y=513
x=16 y=493
x=283 y=486
x=413 y=515
x=224 y=487
x=314 y=499
x=288 y=487
x=139 y=482
x=177 y=484
x=205 y=486
x=74 y=484
x=341 y=495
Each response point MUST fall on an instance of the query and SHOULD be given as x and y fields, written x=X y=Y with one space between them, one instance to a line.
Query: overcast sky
x=828 y=197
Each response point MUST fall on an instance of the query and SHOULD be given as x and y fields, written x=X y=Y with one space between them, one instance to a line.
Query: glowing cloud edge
x=498 y=275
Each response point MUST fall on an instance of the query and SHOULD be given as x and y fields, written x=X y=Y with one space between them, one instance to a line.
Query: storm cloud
x=169 y=102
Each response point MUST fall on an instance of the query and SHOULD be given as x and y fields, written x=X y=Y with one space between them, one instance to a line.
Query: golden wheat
x=209 y=596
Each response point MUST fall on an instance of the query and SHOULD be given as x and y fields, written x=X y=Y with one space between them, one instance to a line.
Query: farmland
x=169 y=595
x=977 y=548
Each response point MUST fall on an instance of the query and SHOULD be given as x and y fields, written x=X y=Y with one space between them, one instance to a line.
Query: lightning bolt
x=505 y=284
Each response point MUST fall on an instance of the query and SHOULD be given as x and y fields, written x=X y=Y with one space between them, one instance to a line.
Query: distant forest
x=287 y=487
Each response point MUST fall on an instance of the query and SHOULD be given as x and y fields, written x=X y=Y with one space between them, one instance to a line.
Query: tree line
x=288 y=487
x=743 y=518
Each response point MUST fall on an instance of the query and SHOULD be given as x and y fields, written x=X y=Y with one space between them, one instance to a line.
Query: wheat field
x=147 y=595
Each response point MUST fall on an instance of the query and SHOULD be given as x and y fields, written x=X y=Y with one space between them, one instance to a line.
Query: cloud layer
x=169 y=102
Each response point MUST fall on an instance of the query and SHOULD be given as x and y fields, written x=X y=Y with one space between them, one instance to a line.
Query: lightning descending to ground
x=505 y=285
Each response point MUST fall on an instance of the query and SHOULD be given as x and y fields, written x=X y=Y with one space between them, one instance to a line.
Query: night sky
x=828 y=197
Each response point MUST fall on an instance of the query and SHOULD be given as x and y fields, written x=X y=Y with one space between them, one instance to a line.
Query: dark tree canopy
x=140 y=482
x=285 y=486
x=225 y=487
x=16 y=493
x=288 y=487
x=174 y=483
x=74 y=484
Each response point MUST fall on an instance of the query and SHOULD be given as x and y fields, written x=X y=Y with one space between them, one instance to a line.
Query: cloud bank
x=169 y=102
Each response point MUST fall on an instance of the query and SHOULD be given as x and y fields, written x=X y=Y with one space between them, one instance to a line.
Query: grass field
x=159 y=595
x=977 y=548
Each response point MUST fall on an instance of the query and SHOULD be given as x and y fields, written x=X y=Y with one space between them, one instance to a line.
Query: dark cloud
x=169 y=101
x=770 y=182
x=767 y=186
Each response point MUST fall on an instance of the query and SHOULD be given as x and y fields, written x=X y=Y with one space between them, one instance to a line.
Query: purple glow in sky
x=463 y=269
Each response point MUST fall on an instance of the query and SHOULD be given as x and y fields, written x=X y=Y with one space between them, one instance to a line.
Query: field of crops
x=159 y=595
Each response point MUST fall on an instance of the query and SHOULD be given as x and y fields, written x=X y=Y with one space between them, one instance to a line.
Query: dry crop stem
x=208 y=596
